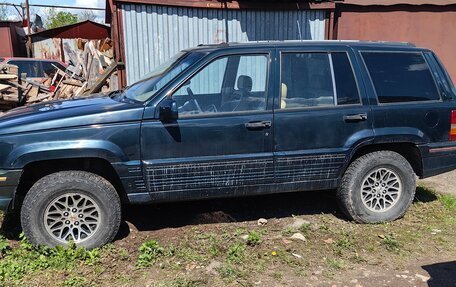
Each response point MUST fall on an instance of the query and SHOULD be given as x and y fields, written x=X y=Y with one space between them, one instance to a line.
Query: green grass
x=448 y=201
x=236 y=252
x=149 y=252
x=391 y=243
x=25 y=259
x=75 y=281
x=253 y=238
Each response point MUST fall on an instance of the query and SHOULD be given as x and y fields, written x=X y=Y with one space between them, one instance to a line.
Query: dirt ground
x=443 y=183
x=220 y=243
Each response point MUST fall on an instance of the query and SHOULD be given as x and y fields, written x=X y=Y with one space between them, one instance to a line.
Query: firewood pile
x=92 y=70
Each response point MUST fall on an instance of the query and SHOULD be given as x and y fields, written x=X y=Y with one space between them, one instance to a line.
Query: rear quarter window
x=400 y=77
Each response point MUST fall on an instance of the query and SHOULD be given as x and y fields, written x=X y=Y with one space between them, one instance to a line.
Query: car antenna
x=299 y=30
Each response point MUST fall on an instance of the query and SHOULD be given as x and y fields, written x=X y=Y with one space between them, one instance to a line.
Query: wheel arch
x=408 y=150
x=35 y=170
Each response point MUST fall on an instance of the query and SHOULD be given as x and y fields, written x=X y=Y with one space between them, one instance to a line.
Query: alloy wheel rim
x=381 y=190
x=72 y=217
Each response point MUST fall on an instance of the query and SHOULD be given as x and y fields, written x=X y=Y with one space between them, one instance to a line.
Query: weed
x=75 y=281
x=391 y=244
x=253 y=238
x=179 y=282
x=335 y=264
x=214 y=249
x=123 y=254
x=277 y=275
x=236 y=252
x=304 y=228
x=448 y=201
x=149 y=252
x=230 y=273
x=4 y=246
x=28 y=258
x=288 y=231
x=345 y=242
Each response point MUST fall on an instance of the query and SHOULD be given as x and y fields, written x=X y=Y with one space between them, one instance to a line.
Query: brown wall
x=6 y=48
x=432 y=27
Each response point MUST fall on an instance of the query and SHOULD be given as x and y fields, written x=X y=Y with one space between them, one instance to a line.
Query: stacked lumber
x=10 y=87
x=92 y=70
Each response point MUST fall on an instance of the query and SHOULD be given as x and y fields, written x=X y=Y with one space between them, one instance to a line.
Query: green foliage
x=178 y=282
x=391 y=243
x=56 y=19
x=335 y=264
x=149 y=252
x=449 y=202
x=229 y=272
x=236 y=252
x=304 y=228
x=3 y=12
x=75 y=281
x=4 y=246
x=345 y=242
x=253 y=238
x=27 y=258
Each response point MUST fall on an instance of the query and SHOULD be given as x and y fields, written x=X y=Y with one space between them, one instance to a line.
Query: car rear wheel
x=71 y=206
x=377 y=187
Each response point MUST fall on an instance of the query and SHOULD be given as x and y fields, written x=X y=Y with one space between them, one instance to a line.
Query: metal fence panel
x=154 y=33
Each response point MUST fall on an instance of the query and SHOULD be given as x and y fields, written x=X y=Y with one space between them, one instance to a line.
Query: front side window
x=162 y=75
x=236 y=83
x=400 y=77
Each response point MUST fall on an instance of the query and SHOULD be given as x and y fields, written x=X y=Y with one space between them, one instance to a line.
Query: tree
x=3 y=12
x=59 y=19
x=87 y=15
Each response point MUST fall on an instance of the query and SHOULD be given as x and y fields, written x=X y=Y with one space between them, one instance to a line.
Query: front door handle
x=258 y=125
x=355 y=118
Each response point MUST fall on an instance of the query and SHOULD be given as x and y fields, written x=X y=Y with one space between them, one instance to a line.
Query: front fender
x=39 y=151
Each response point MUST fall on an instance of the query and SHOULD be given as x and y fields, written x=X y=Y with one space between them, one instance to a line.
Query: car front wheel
x=71 y=206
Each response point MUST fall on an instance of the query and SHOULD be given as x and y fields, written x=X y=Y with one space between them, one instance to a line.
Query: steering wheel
x=193 y=99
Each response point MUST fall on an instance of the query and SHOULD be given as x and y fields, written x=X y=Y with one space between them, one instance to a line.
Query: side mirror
x=168 y=110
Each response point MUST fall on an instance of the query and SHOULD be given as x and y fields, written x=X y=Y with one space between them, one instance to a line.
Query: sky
x=79 y=3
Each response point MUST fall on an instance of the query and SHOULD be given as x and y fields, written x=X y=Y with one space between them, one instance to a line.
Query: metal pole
x=29 y=31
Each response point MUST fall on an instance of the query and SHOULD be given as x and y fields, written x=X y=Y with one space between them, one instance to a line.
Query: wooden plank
x=4 y=87
x=101 y=80
x=8 y=77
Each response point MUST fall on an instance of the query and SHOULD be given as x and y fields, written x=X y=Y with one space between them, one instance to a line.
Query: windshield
x=159 y=77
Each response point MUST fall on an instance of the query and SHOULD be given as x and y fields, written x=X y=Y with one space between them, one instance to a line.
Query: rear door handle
x=355 y=118
x=258 y=125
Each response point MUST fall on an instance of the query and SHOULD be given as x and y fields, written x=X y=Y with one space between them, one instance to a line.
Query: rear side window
x=346 y=87
x=400 y=77
x=31 y=68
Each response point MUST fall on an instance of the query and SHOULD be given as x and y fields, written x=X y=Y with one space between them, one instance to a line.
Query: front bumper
x=438 y=158
x=9 y=179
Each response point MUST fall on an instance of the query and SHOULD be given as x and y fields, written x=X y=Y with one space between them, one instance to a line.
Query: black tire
x=350 y=197
x=71 y=183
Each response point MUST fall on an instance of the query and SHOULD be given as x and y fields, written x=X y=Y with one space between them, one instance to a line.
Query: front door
x=319 y=116
x=223 y=137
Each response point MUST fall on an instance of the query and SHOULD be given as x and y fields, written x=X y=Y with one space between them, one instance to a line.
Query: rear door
x=409 y=103
x=320 y=115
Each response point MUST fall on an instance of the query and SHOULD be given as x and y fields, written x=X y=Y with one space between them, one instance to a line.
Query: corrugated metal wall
x=154 y=33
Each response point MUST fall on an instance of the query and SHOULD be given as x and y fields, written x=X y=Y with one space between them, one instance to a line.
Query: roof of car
x=28 y=59
x=294 y=43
